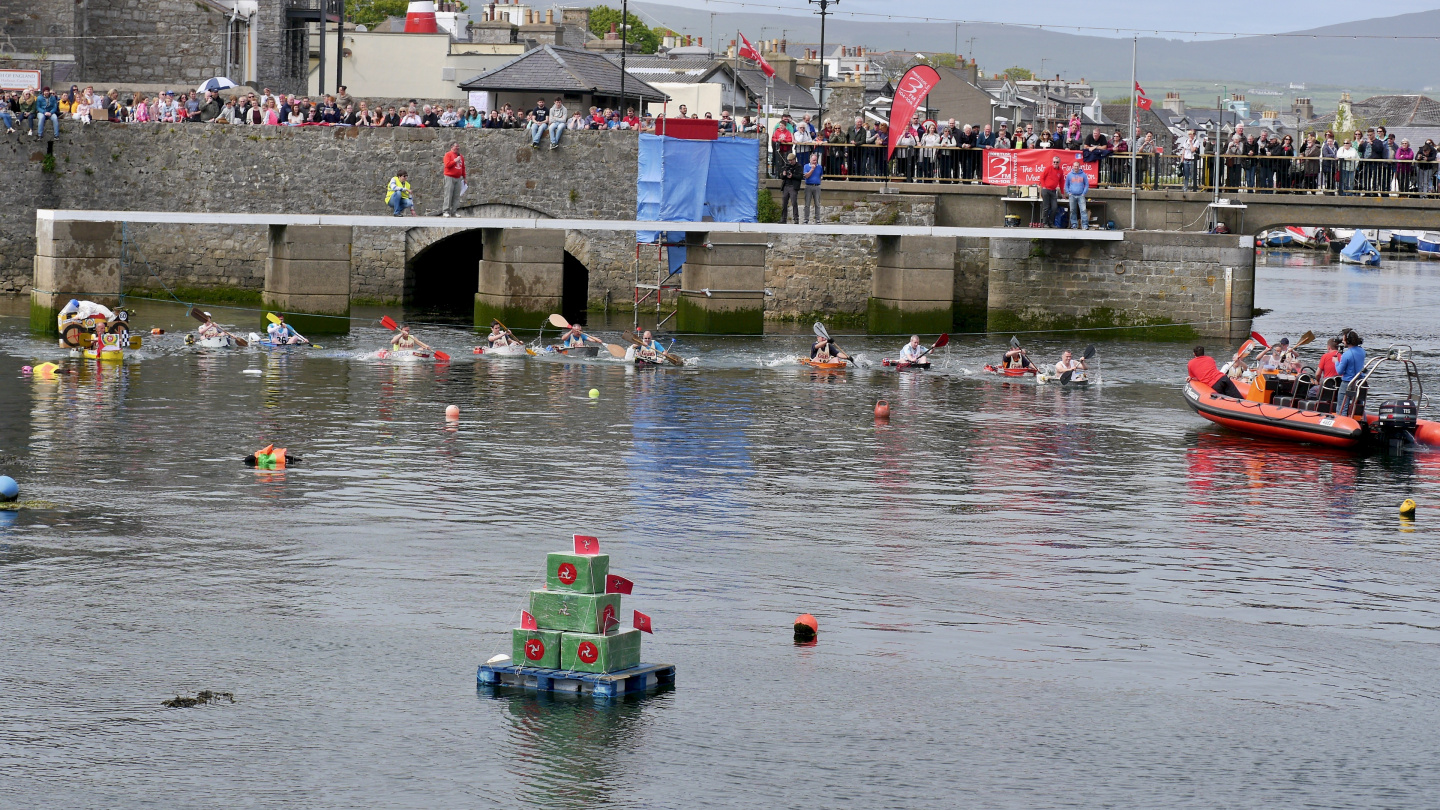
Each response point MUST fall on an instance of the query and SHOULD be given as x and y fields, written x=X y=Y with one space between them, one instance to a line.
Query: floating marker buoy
x=594 y=393
x=9 y=490
x=1408 y=508
x=157 y=331
x=806 y=628
x=882 y=409
x=452 y=413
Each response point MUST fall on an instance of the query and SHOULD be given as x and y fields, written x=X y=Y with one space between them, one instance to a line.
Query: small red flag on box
x=527 y=622
x=618 y=584
x=642 y=622
x=584 y=544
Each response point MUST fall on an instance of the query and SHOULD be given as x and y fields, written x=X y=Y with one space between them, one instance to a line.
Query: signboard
x=1023 y=167
x=19 y=80
x=480 y=100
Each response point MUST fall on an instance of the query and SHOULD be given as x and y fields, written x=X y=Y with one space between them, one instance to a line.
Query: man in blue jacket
x=1076 y=184
x=48 y=106
x=1352 y=362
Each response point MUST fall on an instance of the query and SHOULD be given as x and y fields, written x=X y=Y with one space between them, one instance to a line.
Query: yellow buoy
x=1408 y=508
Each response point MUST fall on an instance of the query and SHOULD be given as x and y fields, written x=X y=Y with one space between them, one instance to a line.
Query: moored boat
x=1360 y=251
x=1428 y=244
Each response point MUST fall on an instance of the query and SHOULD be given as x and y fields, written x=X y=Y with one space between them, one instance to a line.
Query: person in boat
x=1068 y=366
x=1326 y=368
x=1016 y=357
x=1285 y=358
x=283 y=334
x=1202 y=369
x=271 y=457
x=650 y=349
x=1352 y=362
x=404 y=340
x=105 y=339
x=209 y=329
x=914 y=354
x=81 y=310
x=499 y=336
x=824 y=350
x=575 y=337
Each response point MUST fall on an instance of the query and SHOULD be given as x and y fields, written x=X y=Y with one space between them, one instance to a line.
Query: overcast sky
x=1241 y=16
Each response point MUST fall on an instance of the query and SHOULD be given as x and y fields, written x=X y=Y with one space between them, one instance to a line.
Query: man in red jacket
x=1050 y=182
x=1202 y=369
x=454 y=179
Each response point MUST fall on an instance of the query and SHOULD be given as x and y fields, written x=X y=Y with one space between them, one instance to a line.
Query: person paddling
x=1202 y=369
x=404 y=340
x=209 y=329
x=1016 y=358
x=650 y=348
x=574 y=338
x=913 y=354
x=283 y=334
x=824 y=350
x=1068 y=366
x=500 y=337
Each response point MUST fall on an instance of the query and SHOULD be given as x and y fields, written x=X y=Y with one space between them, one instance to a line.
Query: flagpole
x=1134 y=83
x=735 y=94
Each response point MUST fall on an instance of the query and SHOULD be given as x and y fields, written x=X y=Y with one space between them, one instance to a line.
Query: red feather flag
x=615 y=583
x=586 y=545
x=1143 y=103
x=527 y=622
x=642 y=622
x=911 y=90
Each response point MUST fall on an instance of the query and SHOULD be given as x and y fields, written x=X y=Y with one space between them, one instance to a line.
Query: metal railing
x=1236 y=173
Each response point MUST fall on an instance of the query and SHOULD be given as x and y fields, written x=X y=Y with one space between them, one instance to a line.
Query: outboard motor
x=1396 y=422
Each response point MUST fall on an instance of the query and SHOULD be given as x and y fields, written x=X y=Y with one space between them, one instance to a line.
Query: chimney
x=700 y=41
x=783 y=45
x=1173 y=103
x=1303 y=109
x=549 y=16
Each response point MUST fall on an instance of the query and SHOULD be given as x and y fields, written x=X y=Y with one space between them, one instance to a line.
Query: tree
x=893 y=64
x=371 y=13
x=946 y=60
x=1019 y=74
x=642 y=38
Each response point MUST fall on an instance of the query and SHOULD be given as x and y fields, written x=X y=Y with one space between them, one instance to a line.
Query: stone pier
x=522 y=276
x=732 y=267
x=913 y=286
x=307 y=276
x=73 y=260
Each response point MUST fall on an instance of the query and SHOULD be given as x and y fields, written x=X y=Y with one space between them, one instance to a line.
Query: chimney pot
x=549 y=16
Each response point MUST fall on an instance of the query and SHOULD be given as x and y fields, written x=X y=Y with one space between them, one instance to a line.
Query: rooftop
x=557 y=69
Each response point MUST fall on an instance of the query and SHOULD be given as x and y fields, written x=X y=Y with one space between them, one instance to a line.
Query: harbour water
x=1028 y=596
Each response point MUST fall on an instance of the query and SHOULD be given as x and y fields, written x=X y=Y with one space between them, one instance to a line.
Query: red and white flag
x=747 y=51
x=642 y=622
x=1139 y=89
x=527 y=622
x=911 y=90
x=586 y=545
x=1142 y=102
x=614 y=583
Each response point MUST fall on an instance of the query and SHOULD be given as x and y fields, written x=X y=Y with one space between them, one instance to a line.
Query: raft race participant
x=271 y=458
x=1016 y=357
x=500 y=337
x=824 y=350
x=283 y=334
x=404 y=340
x=1202 y=369
x=914 y=354
x=575 y=337
x=209 y=329
x=1068 y=365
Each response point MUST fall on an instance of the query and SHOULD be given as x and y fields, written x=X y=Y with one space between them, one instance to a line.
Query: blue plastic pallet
x=606 y=685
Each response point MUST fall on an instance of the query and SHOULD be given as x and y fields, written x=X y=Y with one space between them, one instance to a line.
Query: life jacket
x=270 y=458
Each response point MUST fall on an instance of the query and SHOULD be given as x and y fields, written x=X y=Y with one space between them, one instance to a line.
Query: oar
x=939 y=343
x=389 y=323
x=821 y=332
x=1305 y=338
x=670 y=357
x=506 y=330
x=559 y=321
x=273 y=318
x=204 y=317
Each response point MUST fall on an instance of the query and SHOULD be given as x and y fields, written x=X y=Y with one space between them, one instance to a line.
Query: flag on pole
x=1142 y=102
x=615 y=583
x=642 y=622
x=748 y=51
x=1139 y=89
x=527 y=622
x=586 y=545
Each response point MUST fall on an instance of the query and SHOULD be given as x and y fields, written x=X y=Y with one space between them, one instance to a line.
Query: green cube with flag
x=575 y=612
x=577 y=573
x=589 y=652
x=535 y=648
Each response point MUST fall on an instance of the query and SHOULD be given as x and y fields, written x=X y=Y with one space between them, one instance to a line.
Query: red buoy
x=882 y=409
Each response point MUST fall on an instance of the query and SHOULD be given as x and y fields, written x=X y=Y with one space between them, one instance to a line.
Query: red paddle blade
x=1259 y=338
x=943 y=340
x=389 y=323
x=442 y=357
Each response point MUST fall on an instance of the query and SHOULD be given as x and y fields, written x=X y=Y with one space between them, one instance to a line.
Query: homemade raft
x=570 y=638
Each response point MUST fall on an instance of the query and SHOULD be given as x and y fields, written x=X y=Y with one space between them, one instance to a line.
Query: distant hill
x=1400 y=65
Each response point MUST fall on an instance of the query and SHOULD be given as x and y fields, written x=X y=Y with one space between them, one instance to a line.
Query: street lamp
x=824 y=9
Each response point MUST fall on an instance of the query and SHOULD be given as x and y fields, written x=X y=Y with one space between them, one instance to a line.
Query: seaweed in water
x=205 y=697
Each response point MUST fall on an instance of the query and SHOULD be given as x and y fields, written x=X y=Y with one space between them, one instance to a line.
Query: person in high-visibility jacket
x=397 y=194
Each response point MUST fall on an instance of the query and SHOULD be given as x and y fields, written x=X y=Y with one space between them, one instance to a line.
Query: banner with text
x=1023 y=167
x=910 y=92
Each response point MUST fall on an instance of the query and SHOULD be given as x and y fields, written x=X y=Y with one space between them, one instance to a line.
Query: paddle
x=506 y=330
x=559 y=321
x=670 y=357
x=204 y=317
x=389 y=323
x=941 y=342
x=821 y=332
x=273 y=318
x=1305 y=338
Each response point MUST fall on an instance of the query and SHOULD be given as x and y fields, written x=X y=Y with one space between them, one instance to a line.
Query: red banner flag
x=642 y=622
x=1023 y=167
x=615 y=583
x=1143 y=103
x=747 y=51
x=586 y=545
x=527 y=622
x=912 y=89
x=1139 y=89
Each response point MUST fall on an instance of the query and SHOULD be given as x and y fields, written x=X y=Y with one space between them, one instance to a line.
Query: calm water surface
x=1028 y=597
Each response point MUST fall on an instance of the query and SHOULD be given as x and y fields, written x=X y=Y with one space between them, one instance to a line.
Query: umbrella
x=215 y=85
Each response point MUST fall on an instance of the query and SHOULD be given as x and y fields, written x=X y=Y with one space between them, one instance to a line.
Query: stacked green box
x=536 y=648
x=586 y=652
x=574 y=612
x=576 y=573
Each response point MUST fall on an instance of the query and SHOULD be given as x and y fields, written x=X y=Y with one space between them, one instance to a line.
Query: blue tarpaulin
x=684 y=181
x=1360 y=251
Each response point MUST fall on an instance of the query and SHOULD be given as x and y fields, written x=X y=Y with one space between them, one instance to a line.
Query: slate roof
x=557 y=69
x=783 y=95
x=1145 y=121
x=678 y=70
x=1393 y=111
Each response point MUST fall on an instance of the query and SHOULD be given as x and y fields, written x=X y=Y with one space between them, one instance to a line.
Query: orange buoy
x=882 y=409
x=806 y=628
x=157 y=331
